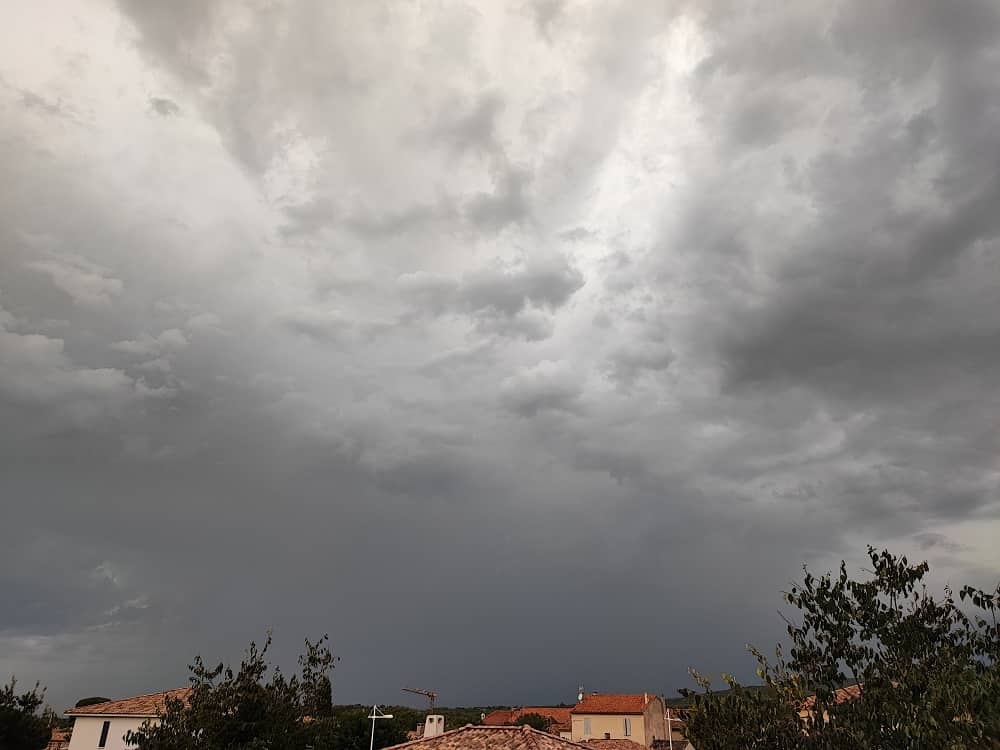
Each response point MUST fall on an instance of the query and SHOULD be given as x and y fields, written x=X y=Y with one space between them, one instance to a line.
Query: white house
x=103 y=726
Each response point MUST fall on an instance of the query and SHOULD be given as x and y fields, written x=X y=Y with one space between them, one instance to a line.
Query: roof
x=621 y=744
x=499 y=717
x=481 y=737
x=841 y=695
x=610 y=703
x=149 y=705
x=504 y=716
x=58 y=740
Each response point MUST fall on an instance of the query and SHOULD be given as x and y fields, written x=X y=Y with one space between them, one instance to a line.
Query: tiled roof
x=615 y=744
x=498 y=718
x=142 y=705
x=58 y=740
x=609 y=703
x=481 y=737
x=502 y=717
x=841 y=695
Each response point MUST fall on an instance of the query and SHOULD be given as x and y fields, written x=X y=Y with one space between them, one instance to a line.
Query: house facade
x=640 y=718
x=104 y=726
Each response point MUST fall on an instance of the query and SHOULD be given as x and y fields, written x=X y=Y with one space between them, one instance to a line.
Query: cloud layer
x=484 y=334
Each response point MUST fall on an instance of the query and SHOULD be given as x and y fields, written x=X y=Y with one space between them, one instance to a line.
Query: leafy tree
x=351 y=729
x=535 y=721
x=927 y=673
x=250 y=708
x=21 y=725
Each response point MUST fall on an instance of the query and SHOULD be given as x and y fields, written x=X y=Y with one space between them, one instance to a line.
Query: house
x=103 y=726
x=559 y=716
x=58 y=740
x=640 y=718
x=482 y=737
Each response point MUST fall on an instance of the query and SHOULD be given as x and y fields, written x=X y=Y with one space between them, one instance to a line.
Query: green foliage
x=351 y=729
x=927 y=671
x=250 y=708
x=21 y=725
x=535 y=721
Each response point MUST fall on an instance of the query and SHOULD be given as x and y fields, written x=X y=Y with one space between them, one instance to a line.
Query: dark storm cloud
x=516 y=353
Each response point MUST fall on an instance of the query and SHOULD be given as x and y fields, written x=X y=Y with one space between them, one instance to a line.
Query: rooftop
x=481 y=737
x=610 y=703
x=149 y=705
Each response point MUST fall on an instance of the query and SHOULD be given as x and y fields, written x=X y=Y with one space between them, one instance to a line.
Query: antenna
x=428 y=694
x=579 y=695
x=375 y=715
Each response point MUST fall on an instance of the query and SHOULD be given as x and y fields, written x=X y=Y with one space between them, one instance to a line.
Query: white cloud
x=87 y=283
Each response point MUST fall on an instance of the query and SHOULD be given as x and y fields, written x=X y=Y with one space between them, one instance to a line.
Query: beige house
x=104 y=726
x=640 y=718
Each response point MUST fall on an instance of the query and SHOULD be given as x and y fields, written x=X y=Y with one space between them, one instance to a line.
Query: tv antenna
x=375 y=715
x=430 y=695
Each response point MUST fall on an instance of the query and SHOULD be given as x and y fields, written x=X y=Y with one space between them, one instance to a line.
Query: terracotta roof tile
x=621 y=744
x=502 y=717
x=841 y=695
x=498 y=718
x=609 y=703
x=493 y=738
x=142 y=705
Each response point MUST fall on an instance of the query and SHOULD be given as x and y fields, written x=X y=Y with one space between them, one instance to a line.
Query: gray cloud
x=163 y=106
x=646 y=311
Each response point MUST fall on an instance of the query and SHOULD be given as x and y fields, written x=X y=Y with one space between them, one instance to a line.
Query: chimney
x=433 y=726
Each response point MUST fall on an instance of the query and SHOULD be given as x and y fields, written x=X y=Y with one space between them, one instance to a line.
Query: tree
x=250 y=708
x=535 y=721
x=925 y=670
x=21 y=725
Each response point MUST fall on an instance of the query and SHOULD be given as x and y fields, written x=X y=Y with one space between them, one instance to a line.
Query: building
x=559 y=715
x=59 y=740
x=640 y=718
x=103 y=726
x=482 y=737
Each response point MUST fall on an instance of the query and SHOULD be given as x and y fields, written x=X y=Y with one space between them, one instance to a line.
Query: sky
x=518 y=346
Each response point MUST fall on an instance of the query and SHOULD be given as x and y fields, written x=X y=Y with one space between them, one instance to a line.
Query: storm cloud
x=548 y=338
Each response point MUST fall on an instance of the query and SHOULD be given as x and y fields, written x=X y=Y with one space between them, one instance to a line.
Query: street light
x=375 y=715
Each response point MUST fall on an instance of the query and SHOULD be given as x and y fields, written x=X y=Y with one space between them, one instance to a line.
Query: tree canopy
x=534 y=720
x=925 y=670
x=22 y=727
x=251 y=707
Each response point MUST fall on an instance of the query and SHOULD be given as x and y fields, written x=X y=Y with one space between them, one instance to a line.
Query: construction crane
x=428 y=694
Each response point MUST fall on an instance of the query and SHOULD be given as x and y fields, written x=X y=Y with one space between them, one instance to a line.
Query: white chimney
x=433 y=726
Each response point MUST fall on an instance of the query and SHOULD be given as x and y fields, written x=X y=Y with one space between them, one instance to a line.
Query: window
x=628 y=727
x=586 y=726
x=104 y=734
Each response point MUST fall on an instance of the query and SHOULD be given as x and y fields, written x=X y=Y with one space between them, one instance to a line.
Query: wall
x=601 y=724
x=87 y=731
x=655 y=721
x=650 y=726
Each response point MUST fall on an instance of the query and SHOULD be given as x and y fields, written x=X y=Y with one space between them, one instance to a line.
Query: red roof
x=481 y=737
x=841 y=695
x=621 y=744
x=149 y=705
x=504 y=716
x=609 y=703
